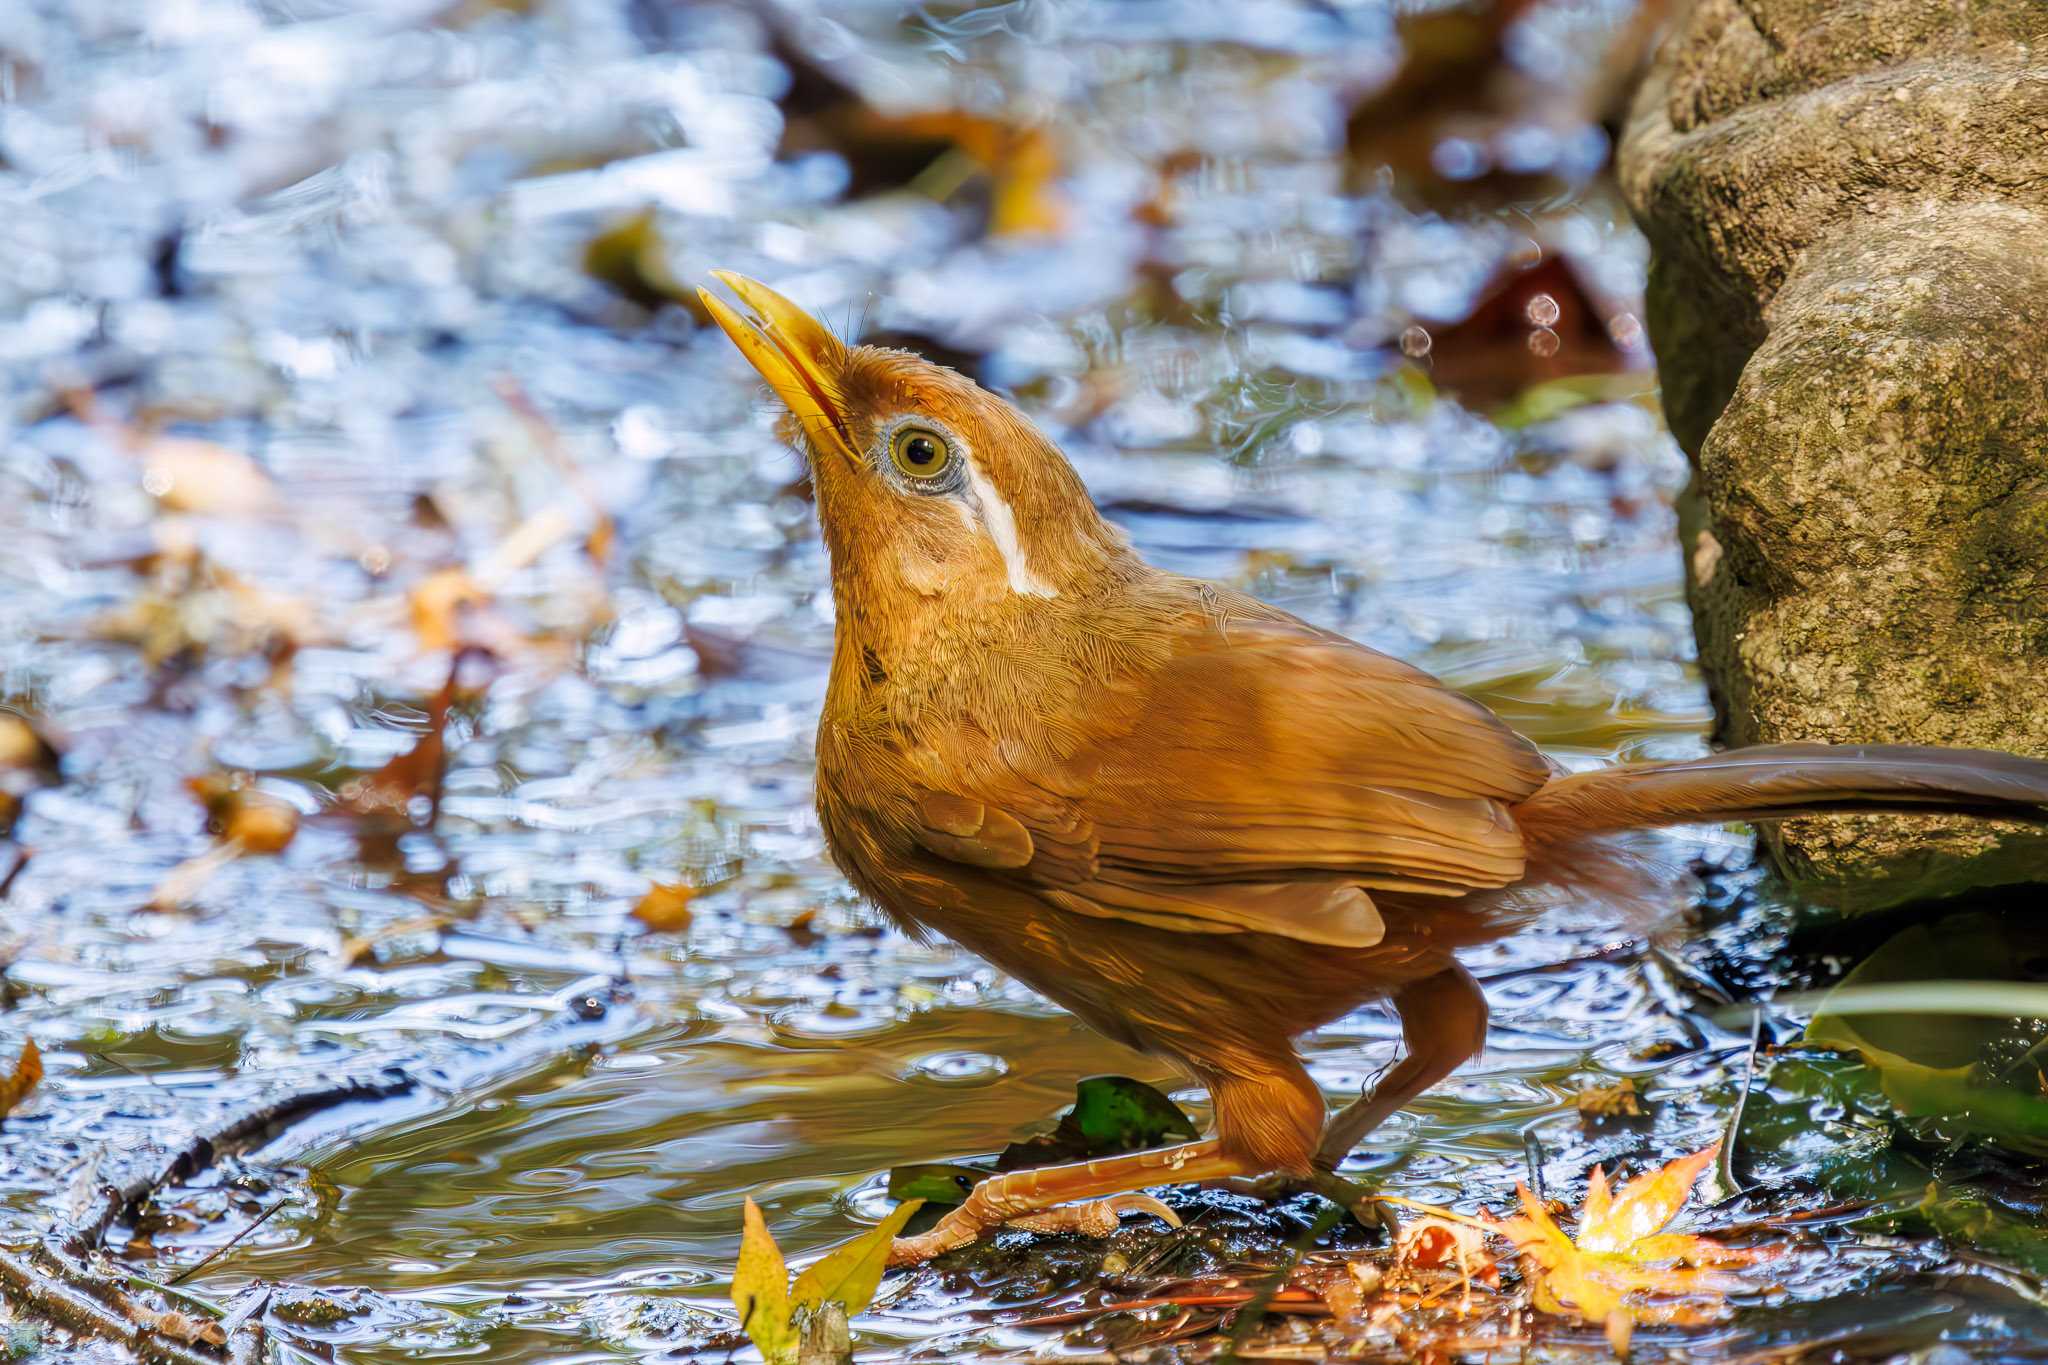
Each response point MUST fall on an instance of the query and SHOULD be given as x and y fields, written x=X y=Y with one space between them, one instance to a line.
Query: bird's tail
x=1589 y=864
x=1770 y=782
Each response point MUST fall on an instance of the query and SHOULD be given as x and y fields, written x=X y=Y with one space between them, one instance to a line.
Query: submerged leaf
x=1984 y=1074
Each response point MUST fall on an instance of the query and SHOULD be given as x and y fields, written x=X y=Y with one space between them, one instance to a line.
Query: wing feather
x=1270 y=778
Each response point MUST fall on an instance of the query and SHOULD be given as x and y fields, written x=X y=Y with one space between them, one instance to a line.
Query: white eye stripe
x=982 y=508
x=1001 y=526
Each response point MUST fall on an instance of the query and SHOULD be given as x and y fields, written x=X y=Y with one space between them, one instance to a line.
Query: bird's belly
x=1211 y=1001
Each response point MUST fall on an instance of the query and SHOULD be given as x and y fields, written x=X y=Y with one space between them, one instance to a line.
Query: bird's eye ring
x=920 y=452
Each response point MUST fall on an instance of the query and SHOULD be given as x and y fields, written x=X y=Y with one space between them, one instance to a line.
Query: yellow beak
x=796 y=355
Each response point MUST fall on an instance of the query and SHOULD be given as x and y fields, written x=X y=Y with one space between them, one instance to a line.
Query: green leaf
x=1953 y=1050
x=1118 y=1114
x=1111 y=1115
x=936 y=1182
x=760 y=1290
x=850 y=1274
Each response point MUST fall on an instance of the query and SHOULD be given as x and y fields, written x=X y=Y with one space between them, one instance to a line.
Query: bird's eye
x=920 y=452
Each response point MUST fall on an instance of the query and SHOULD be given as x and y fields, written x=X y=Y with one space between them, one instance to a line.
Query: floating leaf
x=665 y=908
x=26 y=1075
x=760 y=1290
x=850 y=1274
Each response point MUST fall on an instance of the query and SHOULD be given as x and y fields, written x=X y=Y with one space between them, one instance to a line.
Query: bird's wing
x=1267 y=777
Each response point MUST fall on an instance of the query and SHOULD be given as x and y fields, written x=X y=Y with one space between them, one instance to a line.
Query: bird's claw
x=1354 y=1198
x=1094 y=1218
x=1097 y=1217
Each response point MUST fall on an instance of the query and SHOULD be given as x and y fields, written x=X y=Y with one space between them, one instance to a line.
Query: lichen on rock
x=1847 y=203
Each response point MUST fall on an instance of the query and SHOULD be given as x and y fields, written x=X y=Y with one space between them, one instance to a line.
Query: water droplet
x=1416 y=342
x=1544 y=342
x=1542 y=310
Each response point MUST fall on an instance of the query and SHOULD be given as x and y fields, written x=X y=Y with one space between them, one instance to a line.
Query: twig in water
x=1532 y=1152
x=229 y=1245
x=1729 y=1182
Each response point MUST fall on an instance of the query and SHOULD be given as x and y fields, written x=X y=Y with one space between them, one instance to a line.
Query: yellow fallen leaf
x=1623 y=1268
x=665 y=908
x=760 y=1290
x=850 y=1274
x=27 y=1074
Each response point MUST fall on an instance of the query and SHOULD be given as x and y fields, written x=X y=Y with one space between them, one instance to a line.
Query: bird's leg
x=1029 y=1198
x=1443 y=1022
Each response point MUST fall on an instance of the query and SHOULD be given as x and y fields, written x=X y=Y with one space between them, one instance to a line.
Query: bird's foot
x=963 y=1226
x=1354 y=1198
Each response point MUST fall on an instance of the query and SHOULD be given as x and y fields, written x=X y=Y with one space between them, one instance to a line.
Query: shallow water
x=345 y=240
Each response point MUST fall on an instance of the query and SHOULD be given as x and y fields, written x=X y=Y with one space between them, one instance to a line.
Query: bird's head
x=934 y=494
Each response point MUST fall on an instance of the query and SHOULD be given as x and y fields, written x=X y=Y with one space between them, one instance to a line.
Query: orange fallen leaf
x=27 y=1074
x=665 y=908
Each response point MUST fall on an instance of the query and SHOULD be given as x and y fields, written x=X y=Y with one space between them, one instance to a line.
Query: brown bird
x=1202 y=825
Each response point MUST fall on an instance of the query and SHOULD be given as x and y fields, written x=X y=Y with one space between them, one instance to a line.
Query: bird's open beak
x=796 y=355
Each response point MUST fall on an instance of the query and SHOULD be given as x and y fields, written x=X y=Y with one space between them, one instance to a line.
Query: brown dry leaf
x=22 y=746
x=665 y=909
x=630 y=256
x=26 y=1076
x=388 y=796
x=437 y=603
x=447 y=605
x=1618 y=1100
x=180 y=1326
x=1533 y=322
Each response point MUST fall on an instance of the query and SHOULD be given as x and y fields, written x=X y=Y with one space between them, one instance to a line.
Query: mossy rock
x=1847 y=203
